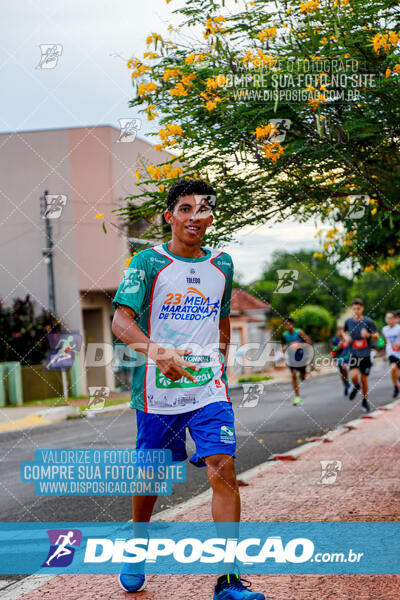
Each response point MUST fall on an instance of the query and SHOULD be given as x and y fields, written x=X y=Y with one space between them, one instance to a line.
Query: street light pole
x=48 y=255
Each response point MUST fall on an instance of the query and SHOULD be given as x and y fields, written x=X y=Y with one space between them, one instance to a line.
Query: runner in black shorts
x=340 y=352
x=296 y=339
x=360 y=331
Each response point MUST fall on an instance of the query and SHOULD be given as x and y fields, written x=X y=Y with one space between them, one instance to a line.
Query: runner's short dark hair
x=187 y=187
x=288 y=320
x=357 y=301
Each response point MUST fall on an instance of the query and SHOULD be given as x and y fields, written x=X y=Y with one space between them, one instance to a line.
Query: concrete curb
x=20 y=588
x=58 y=413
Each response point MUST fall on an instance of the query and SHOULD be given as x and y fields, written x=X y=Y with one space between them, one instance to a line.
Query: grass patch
x=254 y=378
x=54 y=402
x=112 y=402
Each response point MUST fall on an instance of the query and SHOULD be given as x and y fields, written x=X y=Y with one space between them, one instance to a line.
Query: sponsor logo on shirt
x=225 y=263
x=203 y=376
x=193 y=280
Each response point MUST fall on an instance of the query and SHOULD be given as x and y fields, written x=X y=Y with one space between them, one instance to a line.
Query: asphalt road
x=273 y=426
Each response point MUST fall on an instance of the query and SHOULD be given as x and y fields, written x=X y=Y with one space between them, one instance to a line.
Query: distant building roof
x=241 y=301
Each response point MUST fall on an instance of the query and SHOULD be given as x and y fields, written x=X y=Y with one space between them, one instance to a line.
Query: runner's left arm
x=224 y=321
x=372 y=330
x=224 y=335
x=305 y=337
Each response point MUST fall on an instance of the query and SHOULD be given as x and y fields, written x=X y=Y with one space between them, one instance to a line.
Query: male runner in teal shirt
x=173 y=306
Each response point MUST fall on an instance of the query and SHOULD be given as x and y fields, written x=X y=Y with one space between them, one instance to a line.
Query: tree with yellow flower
x=287 y=111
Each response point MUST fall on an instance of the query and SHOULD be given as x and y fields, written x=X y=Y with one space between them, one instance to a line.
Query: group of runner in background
x=353 y=351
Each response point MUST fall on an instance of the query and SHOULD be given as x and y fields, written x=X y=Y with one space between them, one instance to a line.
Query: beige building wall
x=31 y=163
x=95 y=173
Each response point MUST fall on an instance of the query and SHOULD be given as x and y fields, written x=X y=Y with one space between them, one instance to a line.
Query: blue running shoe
x=129 y=581
x=230 y=587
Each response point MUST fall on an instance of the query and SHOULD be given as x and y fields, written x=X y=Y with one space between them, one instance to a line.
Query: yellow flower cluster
x=267 y=34
x=396 y=70
x=213 y=26
x=168 y=73
x=168 y=135
x=151 y=113
x=273 y=151
x=340 y=3
x=164 y=172
x=211 y=100
x=210 y=97
x=151 y=55
x=318 y=255
x=195 y=58
x=211 y=104
x=153 y=38
x=385 y=41
x=260 y=59
x=369 y=268
x=186 y=80
x=387 y=266
x=213 y=84
x=179 y=90
x=314 y=102
x=145 y=88
x=266 y=131
x=331 y=234
x=307 y=7
x=138 y=67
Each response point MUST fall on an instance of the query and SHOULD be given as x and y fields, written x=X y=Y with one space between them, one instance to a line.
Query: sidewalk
x=26 y=417
x=367 y=489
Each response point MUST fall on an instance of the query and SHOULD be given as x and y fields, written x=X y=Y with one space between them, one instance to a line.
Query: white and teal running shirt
x=178 y=303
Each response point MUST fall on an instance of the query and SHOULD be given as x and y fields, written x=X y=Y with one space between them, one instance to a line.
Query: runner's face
x=357 y=310
x=289 y=326
x=190 y=218
x=390 y=320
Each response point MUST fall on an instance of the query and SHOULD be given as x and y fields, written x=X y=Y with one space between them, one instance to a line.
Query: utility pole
x=48 y=254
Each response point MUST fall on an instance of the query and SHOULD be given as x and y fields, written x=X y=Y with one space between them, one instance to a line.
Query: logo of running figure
x=287 y=279
x=357 y=206
x=50 y=55
x=329 y=471
x=251 y=394
x=62 y=350
x=132 y=280
x=97 y=398
x=129 y=129
x=54 y=205
x=279 y=129
x=62 y=550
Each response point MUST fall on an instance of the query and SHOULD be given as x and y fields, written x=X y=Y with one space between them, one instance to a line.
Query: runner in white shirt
x=391 y=331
